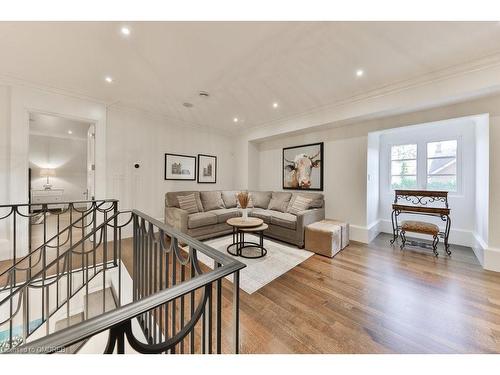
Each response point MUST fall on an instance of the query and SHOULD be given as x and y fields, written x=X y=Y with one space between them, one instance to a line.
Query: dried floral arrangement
x=243 y=198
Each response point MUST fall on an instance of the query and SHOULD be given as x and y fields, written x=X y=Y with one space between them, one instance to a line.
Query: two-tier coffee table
x=242 y=226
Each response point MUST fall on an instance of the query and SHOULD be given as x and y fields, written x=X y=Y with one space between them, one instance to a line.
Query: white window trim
x=459 y=191
x=422 y=172
x=390 y=161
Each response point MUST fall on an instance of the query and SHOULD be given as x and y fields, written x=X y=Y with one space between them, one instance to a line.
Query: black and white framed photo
x=303 y=167
x=207 y=169
x=180 y=167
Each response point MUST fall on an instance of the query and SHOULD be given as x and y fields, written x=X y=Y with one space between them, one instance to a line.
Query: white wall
x=137 y=136
x=68 y=156
x=351 y=181
x=344 y=172
x=4 y=163
x=372 y=184
x=482 y=187
x=16 y=104
x=462 y=202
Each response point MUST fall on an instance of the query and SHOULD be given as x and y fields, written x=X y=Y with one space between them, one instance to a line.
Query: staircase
x=73 y=293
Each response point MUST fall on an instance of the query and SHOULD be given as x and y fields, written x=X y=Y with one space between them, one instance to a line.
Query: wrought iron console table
x=421 y=202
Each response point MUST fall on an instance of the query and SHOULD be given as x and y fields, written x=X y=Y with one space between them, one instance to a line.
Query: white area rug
x=280 y=259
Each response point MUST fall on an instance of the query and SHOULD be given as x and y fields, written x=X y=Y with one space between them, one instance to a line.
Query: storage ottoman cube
x=327 y=237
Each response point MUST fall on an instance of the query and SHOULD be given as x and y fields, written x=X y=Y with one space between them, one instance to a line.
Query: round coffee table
x=242 y=226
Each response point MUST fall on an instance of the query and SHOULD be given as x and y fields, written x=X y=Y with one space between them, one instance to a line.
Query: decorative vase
x=244 y=213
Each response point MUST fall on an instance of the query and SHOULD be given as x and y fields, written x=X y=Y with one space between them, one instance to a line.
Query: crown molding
x=19 y=82
x=487 y=62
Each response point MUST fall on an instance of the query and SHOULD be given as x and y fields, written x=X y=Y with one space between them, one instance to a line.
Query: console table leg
x=434 y=245
x=394 y=227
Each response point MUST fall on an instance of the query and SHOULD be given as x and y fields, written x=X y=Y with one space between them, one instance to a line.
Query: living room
x=334 y=181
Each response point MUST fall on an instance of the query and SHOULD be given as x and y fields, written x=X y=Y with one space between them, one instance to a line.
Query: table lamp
x=47 y=172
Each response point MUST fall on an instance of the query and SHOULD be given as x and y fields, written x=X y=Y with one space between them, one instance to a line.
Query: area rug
x=280 y=259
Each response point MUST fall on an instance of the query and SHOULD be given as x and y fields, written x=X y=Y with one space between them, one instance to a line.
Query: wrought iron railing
x=173 y=303
x=37 y=285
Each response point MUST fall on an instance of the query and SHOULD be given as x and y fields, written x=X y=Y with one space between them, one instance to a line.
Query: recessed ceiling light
x=187 y=105
x=108 y=79
x=235 y=119
x=70 y=132
x=204 y=94
x=360 y=73
x=275 y=105
x=125 y=30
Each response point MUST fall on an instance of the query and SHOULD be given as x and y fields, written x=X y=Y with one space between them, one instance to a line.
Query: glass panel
x=404 y=167
x=404 y=152
x=440 y=149
x=442 y=166
x=446 y=183
x=403 y=182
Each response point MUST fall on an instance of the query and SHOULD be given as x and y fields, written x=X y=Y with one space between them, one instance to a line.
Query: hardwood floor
x=372 y=299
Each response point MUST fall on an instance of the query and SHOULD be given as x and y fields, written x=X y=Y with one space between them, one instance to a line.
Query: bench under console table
x=421 y=202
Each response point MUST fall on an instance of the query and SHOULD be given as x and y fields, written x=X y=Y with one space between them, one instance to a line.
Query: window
x=442 y=165
x=404 y=166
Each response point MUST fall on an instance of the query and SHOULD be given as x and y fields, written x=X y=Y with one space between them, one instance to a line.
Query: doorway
x=61 y=169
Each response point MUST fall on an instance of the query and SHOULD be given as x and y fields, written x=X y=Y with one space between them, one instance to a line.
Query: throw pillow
x=299 y=204
x=188 y=203
x=277 y=204
x=211 y=200
x=229 y=198
x=261 y=199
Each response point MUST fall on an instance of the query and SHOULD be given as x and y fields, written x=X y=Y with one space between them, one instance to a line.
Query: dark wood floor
x=376 y=299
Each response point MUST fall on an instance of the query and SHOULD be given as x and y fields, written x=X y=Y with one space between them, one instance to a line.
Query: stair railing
x=45 y=277
x=175 y=300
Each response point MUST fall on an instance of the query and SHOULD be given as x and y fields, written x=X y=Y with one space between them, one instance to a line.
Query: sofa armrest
x=177 y=218
x=305 y=218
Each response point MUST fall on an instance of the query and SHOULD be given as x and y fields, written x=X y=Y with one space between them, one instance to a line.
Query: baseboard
x=492 y=259
x=479 y=247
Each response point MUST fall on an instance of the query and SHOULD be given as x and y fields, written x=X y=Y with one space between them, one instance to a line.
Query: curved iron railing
x=31 y=280
x=173 y=294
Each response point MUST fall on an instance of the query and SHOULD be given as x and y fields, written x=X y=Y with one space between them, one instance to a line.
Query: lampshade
x=47 y=172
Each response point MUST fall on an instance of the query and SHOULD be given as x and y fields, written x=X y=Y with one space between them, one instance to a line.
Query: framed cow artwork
x=303 y=167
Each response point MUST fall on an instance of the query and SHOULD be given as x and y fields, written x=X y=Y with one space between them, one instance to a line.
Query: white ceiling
x=54 y=126
x=245 y=66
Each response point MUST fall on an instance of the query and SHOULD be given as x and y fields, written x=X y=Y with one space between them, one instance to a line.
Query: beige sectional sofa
x=215 y=207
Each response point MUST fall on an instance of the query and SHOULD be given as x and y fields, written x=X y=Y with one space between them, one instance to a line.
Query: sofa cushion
x=261 y=199
x=201 y=219
x=211 y=200
x=283 y=219
x=225 y=213
x=317 y=199
x=299 y=204
x=171 y=199
x=188 y=203
x=229 y=198
x=279 y=201
x=261 y=214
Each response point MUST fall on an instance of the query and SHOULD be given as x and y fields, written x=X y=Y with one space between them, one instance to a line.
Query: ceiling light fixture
x=275 y=105
x=125 y=31
x=235 y=119
x=70 y=132
x=187 y=105
x=108 y=79
x=360 y=73
x=204 y=94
